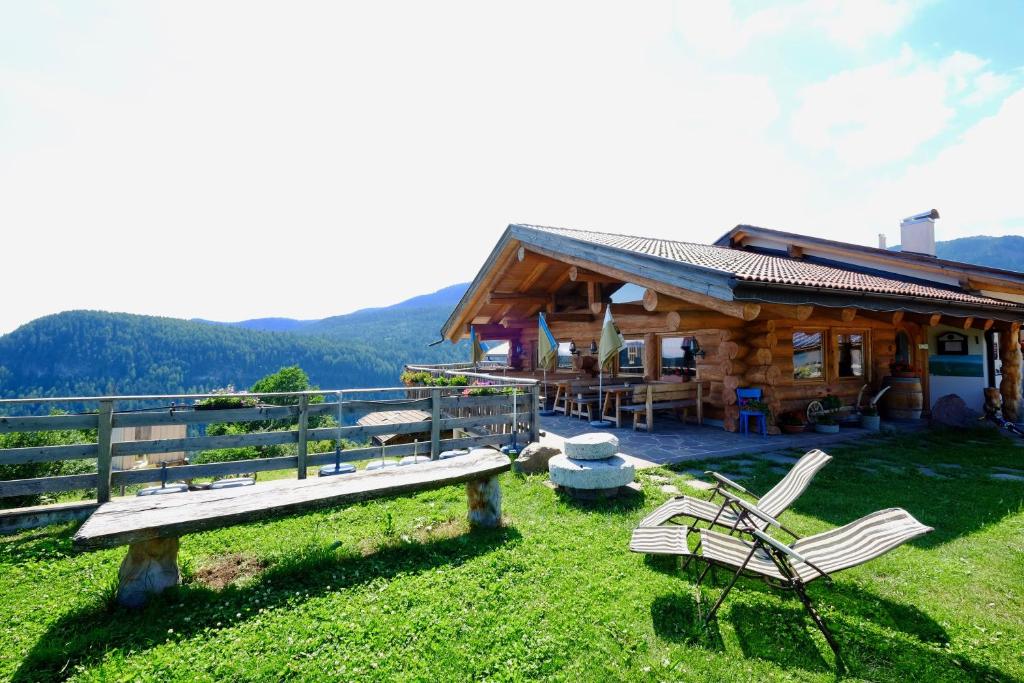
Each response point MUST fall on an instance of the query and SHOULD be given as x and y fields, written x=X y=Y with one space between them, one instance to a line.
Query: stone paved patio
x=673 y=442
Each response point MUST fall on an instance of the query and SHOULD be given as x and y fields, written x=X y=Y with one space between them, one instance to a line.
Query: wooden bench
x=648 y=398
x=567 y=399
x=151 y=526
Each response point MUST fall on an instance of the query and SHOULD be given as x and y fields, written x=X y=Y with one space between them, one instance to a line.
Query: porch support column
x=1009 y=352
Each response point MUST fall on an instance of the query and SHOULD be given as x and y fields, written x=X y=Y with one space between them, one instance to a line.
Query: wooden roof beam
x=737 y=309
x=577 y=274
x=524 y=254
x=846 y=315
x=784 y=311
x=571 y=317
x=893 y=318
x=534 y=275
x=653 y=301
x=518 y=297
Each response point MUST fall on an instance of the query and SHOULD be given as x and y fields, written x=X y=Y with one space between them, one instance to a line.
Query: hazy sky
x=236 y=160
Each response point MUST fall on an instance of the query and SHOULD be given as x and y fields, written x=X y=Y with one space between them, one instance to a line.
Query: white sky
x=238 y=160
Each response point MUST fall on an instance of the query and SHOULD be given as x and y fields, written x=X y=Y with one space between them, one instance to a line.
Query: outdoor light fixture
x=695 y=348
x=593 y=347
x=572 y=347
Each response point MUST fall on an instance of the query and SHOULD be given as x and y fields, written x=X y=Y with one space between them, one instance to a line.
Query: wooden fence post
x=535 y=413
x=104 y=459
x=435 y=423
x=303 y=427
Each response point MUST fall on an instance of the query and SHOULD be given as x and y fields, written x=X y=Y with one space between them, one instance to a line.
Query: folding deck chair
x=730 y=511
x=792 y=567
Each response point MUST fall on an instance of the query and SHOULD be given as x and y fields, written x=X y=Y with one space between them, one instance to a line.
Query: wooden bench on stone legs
x=152 y=526
x=675 y=396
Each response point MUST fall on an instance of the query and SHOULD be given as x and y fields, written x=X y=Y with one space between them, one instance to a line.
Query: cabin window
x=902 y=348
x=850 y=354
x=631 y=358
x=677 y=359
x=808 y=355
x=564 y=357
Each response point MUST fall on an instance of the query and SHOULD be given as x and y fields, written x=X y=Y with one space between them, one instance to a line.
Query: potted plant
x=870 y=419
x=827 y=424
x=792 y=422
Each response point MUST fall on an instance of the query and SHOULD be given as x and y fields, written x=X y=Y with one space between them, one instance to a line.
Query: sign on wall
x=956 y=366
x=951 y=344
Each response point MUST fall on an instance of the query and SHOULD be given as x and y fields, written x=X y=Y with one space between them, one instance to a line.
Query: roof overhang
x=871 y=301
x=671 y=277
x=970 y=275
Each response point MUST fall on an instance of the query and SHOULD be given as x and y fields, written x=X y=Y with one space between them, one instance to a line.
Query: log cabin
x=798 y=317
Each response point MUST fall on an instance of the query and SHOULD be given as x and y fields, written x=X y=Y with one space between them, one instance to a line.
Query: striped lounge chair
x=792 y=567
x=730 y=511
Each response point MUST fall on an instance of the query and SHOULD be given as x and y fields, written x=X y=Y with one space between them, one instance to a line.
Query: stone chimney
x=881 y=240
x=918 y=233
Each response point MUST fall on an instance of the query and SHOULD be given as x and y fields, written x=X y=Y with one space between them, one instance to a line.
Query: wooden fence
x=482 y=420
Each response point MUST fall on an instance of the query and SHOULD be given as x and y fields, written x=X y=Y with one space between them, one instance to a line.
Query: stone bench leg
x=484 y=502
x=149 y=568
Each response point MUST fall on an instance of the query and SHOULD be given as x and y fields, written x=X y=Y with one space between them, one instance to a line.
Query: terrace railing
x=473 y=420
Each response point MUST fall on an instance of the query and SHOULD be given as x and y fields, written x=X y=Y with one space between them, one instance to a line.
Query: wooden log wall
x=1009 y=387
x=759 y=352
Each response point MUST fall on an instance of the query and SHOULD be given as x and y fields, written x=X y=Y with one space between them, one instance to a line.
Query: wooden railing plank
x=212 y=469
x=145 y=418
x=203 y=443
x=478 y=421
x=30 y=487
x=453 y=402
x=21 y=456
x=47 y=423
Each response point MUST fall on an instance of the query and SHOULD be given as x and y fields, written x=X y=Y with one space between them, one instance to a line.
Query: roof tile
x=757 y=267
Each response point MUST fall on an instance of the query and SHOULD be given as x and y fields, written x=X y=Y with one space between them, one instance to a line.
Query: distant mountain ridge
x=1006 y=252
x=446 y=296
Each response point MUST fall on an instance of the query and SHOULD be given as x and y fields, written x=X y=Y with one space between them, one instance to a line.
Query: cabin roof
x=901 y=258
x=730 y=271
x=752 y=266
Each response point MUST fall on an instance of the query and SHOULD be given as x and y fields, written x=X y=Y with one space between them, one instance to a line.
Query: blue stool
x=743 y=397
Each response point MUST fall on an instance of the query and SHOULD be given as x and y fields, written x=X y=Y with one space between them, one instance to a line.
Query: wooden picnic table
x=613 y=396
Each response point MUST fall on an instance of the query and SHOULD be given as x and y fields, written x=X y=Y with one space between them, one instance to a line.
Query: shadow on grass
x=879 y=640
x=676 y=619
x=627 y=500
x=85 y=636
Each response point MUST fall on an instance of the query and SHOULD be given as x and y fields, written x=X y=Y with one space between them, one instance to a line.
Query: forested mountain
x=90 y=353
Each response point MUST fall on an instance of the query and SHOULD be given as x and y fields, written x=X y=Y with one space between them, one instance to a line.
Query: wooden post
x=105 y=427
x=303 y=427
x=484 y=498
x=148 y=568
x=1010 y=386
x=435 y=423
x=650 y=408
x=535 y=413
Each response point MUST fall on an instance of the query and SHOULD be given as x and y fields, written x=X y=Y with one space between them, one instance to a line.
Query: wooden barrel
x=905 y=399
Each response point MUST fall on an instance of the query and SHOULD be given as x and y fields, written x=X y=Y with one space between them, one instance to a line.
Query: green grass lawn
x=401 y=590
